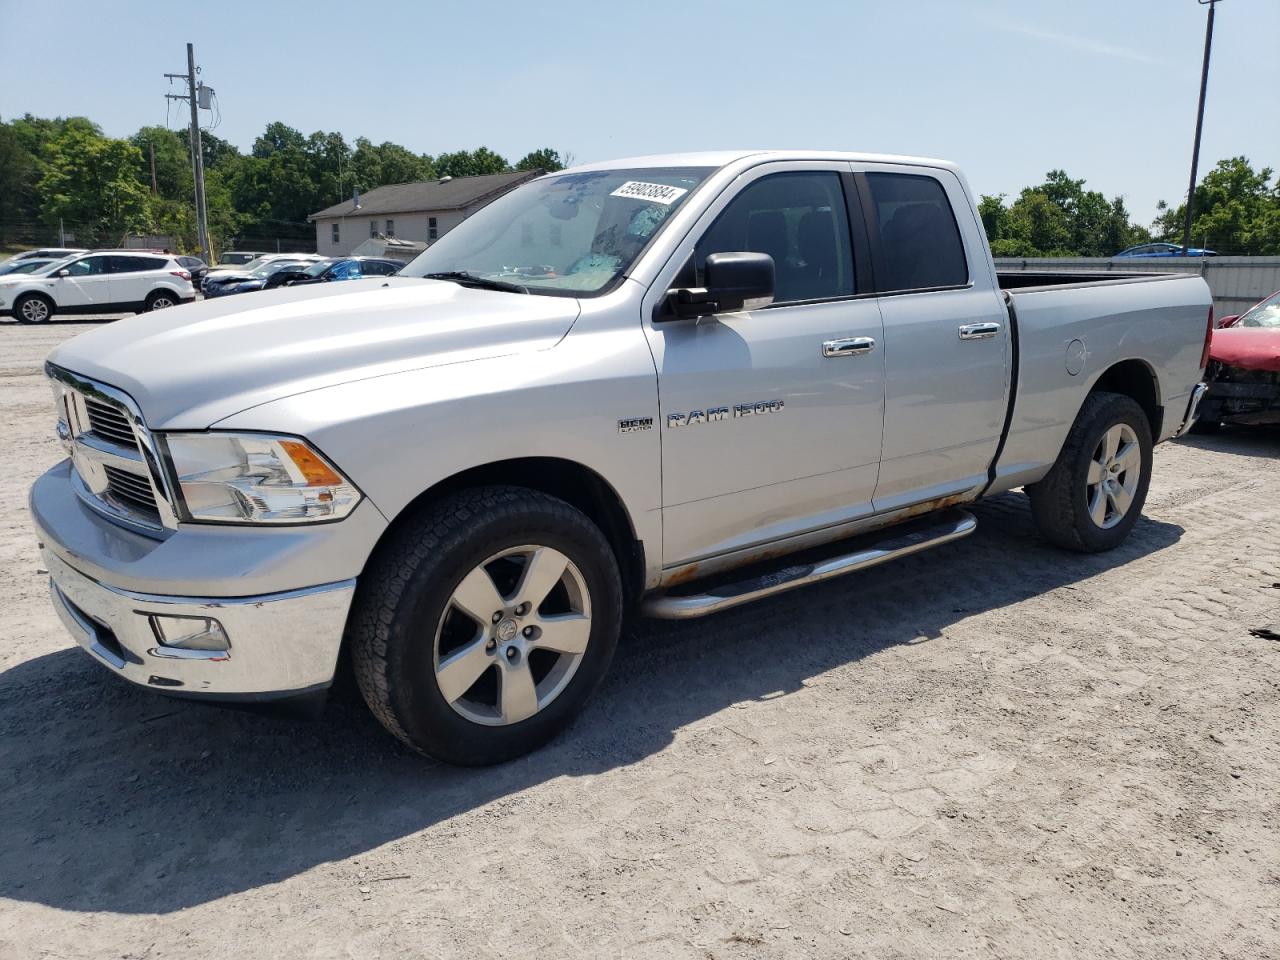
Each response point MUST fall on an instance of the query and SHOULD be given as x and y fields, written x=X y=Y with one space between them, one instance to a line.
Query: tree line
x=66 y=169
x=1237 y=212
x=104 y=188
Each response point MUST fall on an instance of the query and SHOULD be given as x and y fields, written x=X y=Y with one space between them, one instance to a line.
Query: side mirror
x=1229 y=321
x=62 y=273
x=735 y=281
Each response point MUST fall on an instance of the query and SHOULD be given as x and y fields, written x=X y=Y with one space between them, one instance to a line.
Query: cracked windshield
x=573 y=234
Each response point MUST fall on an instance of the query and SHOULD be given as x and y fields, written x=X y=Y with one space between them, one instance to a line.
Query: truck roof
x=722 y=158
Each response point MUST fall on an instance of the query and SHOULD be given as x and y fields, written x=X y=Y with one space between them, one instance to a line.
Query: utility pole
x=151 y=148
x=197 y=155
x=1195 y=150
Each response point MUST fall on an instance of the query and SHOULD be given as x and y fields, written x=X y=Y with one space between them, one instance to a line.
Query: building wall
x=1236 y=283
x=353 y=229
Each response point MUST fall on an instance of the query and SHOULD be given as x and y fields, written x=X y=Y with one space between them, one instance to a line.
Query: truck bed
x=1025 y=280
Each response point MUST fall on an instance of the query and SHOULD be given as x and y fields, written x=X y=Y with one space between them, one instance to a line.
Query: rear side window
x=136 y=264
x=801 y=221
x=920 y=246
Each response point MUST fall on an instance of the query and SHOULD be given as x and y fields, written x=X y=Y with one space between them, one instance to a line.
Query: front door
x=771 y=417
x=86 y=285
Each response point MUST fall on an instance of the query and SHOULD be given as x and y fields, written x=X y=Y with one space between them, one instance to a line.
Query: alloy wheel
x=35 y=310
x=512 y=635
x=1114 y=471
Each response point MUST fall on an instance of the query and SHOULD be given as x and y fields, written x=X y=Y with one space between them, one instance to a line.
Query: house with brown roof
x=419 y=212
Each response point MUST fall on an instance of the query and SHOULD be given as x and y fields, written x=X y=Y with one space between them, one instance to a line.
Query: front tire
x=484 y=623
x=33 y=308
x=1094 y=494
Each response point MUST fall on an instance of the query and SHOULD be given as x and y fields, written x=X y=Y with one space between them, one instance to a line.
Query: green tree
x=1237 y=211
x=1058 y=218
x=470 y=163
x=546 y=159
x=92 y=181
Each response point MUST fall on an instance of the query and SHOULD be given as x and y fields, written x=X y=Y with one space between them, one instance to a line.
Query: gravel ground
x=992 y=749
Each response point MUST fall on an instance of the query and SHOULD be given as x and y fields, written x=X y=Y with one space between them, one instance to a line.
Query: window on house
x=373 y=229
x=334 y=234
x=432 y=232
x=391 y=228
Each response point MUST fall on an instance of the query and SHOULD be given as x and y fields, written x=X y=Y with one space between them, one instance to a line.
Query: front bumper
x=281 y=645
x=281 y=595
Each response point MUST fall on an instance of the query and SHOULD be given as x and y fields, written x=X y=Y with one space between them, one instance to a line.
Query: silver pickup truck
x=666 y=386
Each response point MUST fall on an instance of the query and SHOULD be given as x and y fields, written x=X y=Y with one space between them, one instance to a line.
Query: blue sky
x=1105 y=89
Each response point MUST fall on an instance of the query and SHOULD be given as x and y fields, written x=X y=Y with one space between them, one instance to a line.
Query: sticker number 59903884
x=653 y=192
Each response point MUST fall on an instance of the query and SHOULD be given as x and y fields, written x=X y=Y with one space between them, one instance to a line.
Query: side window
x=920 y=245
x=800 y=220
x=88 y=267
x=135 y=264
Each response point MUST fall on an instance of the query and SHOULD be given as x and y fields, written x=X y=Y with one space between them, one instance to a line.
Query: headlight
x=256 y=478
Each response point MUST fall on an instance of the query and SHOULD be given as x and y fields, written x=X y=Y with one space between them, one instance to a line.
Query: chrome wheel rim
x=159 y=303
x=1114 y=471
x=512 y=635
x=35 y=310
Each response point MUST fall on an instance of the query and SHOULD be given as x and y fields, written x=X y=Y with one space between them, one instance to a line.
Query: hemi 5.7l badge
x=736 y=412
x=635 y=424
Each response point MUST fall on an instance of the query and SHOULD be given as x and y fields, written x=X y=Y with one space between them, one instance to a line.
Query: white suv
x=115 y=282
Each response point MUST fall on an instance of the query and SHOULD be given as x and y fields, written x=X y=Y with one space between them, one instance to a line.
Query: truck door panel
x=946 y=338
x=764 y=435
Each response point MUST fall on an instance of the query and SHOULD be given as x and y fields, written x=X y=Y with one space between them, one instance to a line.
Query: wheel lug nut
x=491 y=646
x=497 y=616
x=528 y=631
x=511 y=653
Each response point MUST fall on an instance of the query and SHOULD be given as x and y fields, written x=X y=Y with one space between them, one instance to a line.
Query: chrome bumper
x=280 y=644
x=1193 y=408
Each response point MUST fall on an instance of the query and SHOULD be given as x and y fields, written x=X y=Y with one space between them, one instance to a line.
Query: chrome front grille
x=116 y=469
x=110 y=423
x=131 y=489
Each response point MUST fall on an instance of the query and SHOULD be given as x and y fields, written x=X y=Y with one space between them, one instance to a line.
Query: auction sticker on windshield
x=653 y=192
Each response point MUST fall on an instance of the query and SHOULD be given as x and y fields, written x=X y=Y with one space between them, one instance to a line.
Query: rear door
x=133 y=276
x=946 y=340
x=86 y=285
x=770 y=417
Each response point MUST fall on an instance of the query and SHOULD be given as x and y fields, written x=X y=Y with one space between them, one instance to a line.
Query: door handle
x=853 y=347
x=979 y=331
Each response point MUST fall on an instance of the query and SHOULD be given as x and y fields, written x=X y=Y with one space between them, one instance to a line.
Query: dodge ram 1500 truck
x=668 y=385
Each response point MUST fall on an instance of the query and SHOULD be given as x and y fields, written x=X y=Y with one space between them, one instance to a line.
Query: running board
x=935 y=531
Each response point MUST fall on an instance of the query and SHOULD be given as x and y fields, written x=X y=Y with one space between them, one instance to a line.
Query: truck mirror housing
x=741 y=280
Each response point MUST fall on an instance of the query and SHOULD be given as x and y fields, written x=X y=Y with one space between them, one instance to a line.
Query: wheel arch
x=1137 y=380
x=573 y=482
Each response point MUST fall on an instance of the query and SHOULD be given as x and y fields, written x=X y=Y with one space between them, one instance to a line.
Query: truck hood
x=1250 y=348
x=188 y=367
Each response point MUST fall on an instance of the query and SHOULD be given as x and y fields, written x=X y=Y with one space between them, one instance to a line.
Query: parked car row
x=1164 y=250
x=291 y=270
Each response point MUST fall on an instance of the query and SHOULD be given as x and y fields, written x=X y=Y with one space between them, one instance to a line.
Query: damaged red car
x=1244 y=369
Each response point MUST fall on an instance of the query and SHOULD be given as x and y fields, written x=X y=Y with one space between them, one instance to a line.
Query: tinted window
x=799 y=219
x=920 y=244
x=88 y=267
x=135 y=264
x=375 y=268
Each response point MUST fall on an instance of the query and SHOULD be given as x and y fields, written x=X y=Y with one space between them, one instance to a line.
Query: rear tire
x=161 y=300
x=1094 y=494
x=33 y=308
x=467 y=684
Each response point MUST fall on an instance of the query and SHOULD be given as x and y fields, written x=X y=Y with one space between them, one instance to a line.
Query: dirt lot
x=993 y=749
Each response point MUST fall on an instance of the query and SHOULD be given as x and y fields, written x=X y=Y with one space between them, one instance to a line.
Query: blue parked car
x=1163 y=250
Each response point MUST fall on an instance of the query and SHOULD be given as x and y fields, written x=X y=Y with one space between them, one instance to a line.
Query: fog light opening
x=189 y=633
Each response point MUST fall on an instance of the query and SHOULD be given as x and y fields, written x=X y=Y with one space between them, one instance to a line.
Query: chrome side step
x=945 y=527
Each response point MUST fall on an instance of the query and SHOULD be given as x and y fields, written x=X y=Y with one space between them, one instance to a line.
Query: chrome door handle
x=979 y=331
x=853 y=347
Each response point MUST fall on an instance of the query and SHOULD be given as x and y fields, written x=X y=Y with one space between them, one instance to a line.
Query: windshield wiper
x=475 y=280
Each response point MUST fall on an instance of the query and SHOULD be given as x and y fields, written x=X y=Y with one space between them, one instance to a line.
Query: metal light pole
x=1195 y=150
